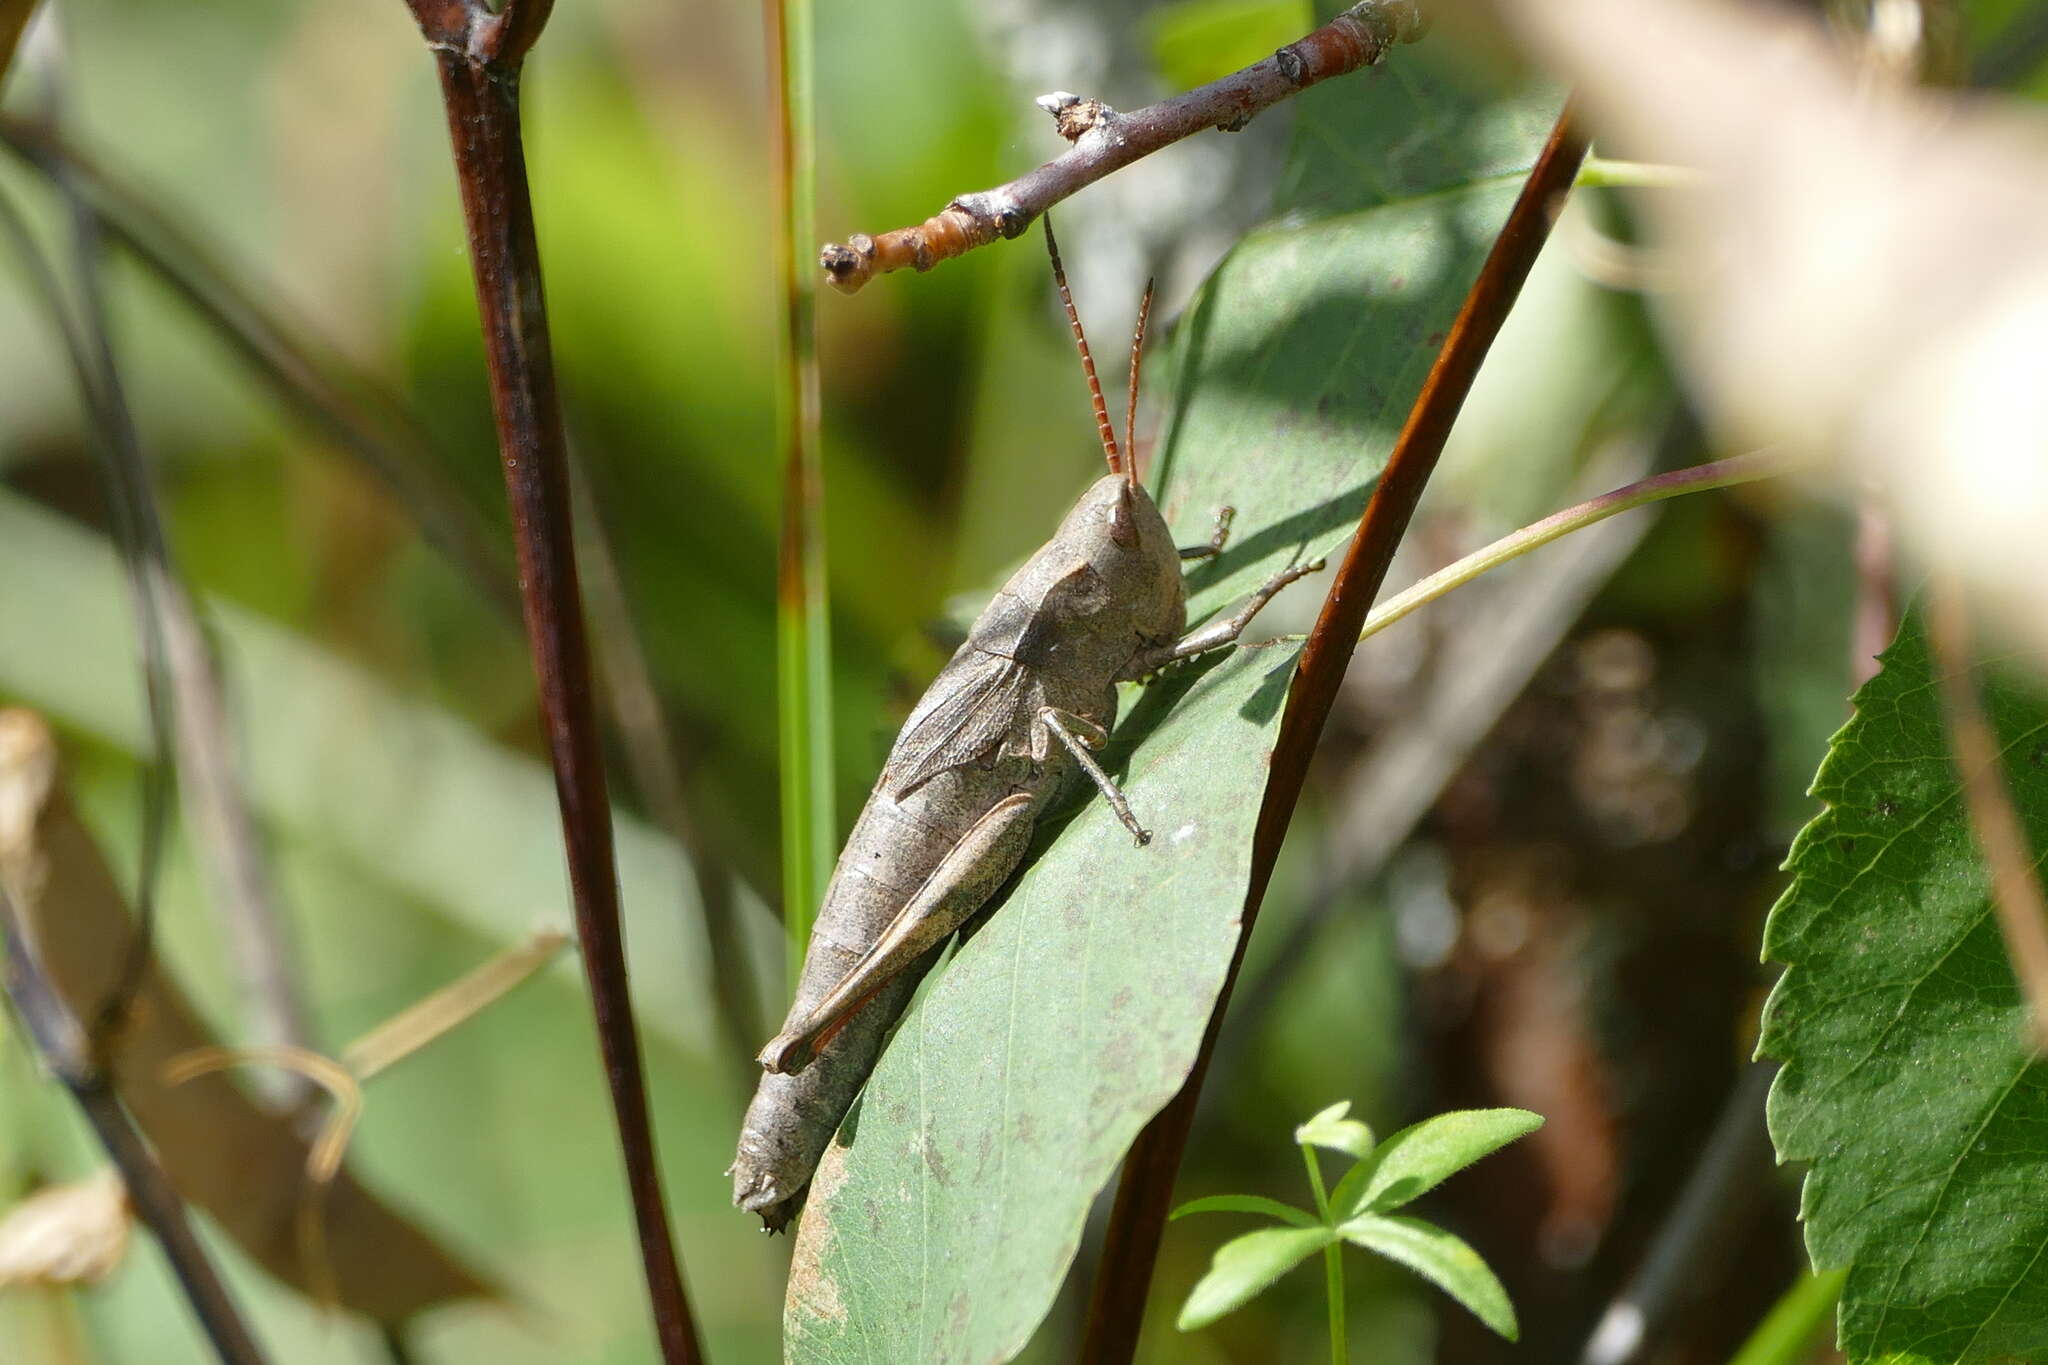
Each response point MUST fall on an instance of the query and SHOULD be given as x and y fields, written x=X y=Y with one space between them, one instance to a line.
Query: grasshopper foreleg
x=1217 y=634
x=1081 y=737
x=1218 y=538
x=961 y=884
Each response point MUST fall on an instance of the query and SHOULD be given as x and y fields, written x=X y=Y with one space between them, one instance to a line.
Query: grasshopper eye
x=1084 y=593
x=1123 y=519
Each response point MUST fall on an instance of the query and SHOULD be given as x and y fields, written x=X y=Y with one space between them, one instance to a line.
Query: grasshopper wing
x=978 y=701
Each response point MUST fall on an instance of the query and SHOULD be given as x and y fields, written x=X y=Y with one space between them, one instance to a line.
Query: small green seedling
x=1359 y=1211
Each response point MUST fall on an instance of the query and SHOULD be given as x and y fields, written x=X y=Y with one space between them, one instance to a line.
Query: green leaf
x=1297 y=362
x=1421 y=1156
x=1332 y=1130
x=1440 y=1258
x=1198 y=41
x=943 y=1219
x=1248 y=1203
x=1905 y=1082
x=1246 y=1265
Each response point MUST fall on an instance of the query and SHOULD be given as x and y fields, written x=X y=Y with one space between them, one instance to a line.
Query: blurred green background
x=387 y=707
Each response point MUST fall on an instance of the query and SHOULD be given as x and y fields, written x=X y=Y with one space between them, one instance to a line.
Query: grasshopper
x=1022 y=706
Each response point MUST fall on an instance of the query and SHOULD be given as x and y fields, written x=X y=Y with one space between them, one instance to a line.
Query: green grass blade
x=810 y=824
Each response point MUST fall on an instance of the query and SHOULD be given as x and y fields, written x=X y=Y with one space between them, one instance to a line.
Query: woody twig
x=1105 y=140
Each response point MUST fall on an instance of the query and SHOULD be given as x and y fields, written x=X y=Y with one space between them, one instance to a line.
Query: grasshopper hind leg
x=961 y=884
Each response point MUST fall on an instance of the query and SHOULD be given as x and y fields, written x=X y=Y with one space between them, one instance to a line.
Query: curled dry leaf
x=1863 y=268
x=244 y=1164
x=74 y=1234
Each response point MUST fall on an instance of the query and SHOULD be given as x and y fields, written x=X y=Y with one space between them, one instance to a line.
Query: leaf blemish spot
x=1184 y=833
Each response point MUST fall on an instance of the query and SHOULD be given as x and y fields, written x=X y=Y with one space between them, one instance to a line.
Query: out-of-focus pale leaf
x=1440 y=1258
x=1418 y=1158
x=1332 y=1130
x=1198 y=41
x=1863 y=271
x=241 y=1162
x=1244 y=1266
x=1248 y=1203
x=403 y=790
x=66 y=1235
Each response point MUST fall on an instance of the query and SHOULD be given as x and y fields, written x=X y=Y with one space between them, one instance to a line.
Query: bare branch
x=1106 y=140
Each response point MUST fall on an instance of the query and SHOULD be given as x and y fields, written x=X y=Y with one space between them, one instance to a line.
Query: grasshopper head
x=1117 y=532
x=1117 y=571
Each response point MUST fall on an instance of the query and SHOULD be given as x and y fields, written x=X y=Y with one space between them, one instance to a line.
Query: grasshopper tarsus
x=1219 y=536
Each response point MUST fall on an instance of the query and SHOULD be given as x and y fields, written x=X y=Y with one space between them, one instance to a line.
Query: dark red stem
x=1131 y=1244
x=479 y=57
x=61 y=1038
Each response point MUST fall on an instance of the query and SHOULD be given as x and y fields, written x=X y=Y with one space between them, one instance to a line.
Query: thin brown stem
x=362 y=418
x=342 y=404
x=1876 y=617
x=1106 y=140
x=142 y=555
x=207 y=767
x=1131 y=1244
x=478 y=53
x=2015 y=889
x=67 y=1051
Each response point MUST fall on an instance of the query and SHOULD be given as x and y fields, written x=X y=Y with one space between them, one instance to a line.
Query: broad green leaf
x=943 y=1219
x=1246 y=1265
x=1296 y=364
x=1440 y=1258
x=1421 y=1156
x=1249 y=1203
x=1905 y=1084
x=1332 y=1130
x=1198 y=41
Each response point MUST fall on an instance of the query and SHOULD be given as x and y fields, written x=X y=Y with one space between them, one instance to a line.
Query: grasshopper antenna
x=1131 y=408
x=1117 y=464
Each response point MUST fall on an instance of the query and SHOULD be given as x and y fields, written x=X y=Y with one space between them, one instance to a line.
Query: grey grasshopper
x=1024 y=703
